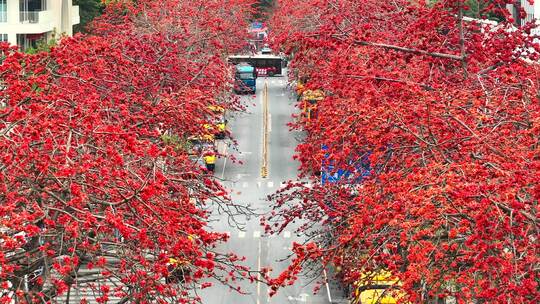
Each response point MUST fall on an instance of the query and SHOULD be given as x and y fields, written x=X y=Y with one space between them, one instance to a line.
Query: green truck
x=245 y=79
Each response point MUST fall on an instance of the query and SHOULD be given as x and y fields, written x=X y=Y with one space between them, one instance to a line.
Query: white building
x=24 y=22
x=532 y=11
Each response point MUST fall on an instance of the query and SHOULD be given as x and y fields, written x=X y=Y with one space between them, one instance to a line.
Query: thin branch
x=409 y=50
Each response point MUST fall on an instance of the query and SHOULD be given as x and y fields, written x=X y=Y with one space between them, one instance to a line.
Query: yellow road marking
x=264 y=166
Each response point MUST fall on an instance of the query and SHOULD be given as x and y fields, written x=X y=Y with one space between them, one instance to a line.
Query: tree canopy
x=92 y=198
x=88 y=11
x=263 y=8
x=434 y=120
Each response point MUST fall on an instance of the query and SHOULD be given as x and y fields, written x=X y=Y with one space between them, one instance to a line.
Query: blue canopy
x=330 y=174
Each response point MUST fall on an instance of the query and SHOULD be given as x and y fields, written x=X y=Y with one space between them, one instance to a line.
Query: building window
x=3 y=10
x=26 y=41
x=3 y=37
x=33 y=5
x=29 y=10
x=516 y=12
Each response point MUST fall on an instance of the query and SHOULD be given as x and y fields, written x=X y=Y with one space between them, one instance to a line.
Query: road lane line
x=241 y=234
x=259 y=273
x=225 y=161
x=327 y=286
x=224 y=165
x=287 y=234
x=264 y=165
x=256 y=234
x=245 y=184
x=241 y=175
x=270 y=185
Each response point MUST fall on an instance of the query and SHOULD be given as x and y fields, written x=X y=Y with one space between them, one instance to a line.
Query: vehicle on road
x=265 y=64
x=299 y=88
x=309 y=100
x=197 y=144
x=178 y=269
x=220 y=122
x=245 y=79
x=221 y=127
x=377 y=288
x=209 y=158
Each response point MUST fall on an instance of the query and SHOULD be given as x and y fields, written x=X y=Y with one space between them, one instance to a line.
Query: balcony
x=75 y=17
x=35 y=16
x=29 y=16
x=34 y=22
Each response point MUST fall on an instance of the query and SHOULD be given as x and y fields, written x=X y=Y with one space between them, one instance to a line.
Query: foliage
x=482 y=9
x=88 y=11
x=263 y=8
x=446 y=113
x=92 y=200
x=176 y=142
x=42 y=46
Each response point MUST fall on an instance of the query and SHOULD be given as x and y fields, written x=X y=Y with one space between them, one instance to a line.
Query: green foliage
x=179 y=144
x=263 y=8
x=88 y=10
x=42 y=46
x=477 y=9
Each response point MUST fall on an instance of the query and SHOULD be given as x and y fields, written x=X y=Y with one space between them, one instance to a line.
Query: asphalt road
x=248 y=187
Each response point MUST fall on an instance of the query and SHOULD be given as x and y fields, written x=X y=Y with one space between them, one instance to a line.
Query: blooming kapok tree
x=92 y=199
x=435 y=117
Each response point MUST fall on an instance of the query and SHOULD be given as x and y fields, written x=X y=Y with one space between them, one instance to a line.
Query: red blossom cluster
x=434 y=118
x=93 y=197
